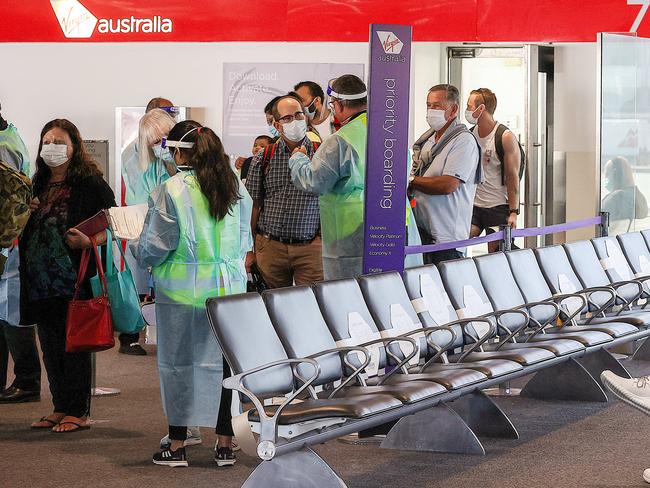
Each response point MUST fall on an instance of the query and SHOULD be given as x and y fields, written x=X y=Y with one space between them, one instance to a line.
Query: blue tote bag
x=122 y=293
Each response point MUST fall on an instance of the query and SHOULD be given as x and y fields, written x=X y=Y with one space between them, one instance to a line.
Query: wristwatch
x=513 y=211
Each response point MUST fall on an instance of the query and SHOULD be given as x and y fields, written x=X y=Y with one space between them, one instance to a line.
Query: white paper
x=436 y=300
x=360 y=333
x=616 y=261
x=572 y=305
x=127 y=222
x=402 y=323
x=474 y=307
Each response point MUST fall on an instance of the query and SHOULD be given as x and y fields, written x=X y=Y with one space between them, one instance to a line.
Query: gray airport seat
x=303 y=332
x=637 y=253
x=385 y=291
x=589 y=270
x=338 y=299
x=460 y=279
x=501 y=288
x=561 y=279
x=534 y=288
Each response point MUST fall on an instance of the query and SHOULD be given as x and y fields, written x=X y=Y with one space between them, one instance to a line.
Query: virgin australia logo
x=77 y=22
x=390 y=43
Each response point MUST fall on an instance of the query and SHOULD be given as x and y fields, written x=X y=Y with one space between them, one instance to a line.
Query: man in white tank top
x=495 y=203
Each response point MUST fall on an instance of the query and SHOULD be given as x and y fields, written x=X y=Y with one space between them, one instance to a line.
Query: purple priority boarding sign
x=387 y=148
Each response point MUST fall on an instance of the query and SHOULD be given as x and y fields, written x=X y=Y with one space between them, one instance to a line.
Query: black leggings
x=69 y=374
x=224 y=419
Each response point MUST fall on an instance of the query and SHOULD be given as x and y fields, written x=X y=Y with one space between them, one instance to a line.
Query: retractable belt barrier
x=600 y=220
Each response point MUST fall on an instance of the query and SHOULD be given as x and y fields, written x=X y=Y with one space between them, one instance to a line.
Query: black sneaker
x=224 y=456
x=134 y=349
x=167 y=457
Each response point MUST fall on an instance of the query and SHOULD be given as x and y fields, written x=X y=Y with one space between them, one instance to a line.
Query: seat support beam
x=302 y=468
x=568 y=380
x=437 y=429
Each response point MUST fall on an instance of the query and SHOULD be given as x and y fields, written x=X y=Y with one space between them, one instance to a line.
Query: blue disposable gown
x=190 y=363
x=138 y=185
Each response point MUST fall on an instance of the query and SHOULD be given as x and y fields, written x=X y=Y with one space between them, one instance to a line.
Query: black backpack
x=498 y=142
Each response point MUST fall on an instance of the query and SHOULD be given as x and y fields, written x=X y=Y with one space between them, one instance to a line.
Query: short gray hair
x=451 y=92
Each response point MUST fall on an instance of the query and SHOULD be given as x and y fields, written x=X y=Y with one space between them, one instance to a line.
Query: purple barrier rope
x=499 y=236
x=552 y=229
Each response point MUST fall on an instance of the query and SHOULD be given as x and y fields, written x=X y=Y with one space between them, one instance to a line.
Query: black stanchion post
x=603 y=228
x=506 y=243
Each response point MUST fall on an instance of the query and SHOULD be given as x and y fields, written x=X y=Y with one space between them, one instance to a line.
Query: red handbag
x=89 y=327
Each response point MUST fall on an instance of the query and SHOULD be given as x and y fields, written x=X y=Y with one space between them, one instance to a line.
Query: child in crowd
x=259 y=144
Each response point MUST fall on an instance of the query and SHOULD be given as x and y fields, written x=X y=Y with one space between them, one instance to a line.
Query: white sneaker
x=193 y=438
x=633 y=391
x=646 y=475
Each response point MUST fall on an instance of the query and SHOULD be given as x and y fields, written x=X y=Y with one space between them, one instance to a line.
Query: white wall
x=84 y=82
x=575 y=129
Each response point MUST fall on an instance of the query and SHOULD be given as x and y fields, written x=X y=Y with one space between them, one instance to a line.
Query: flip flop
x=69 y=422
x=45 y=419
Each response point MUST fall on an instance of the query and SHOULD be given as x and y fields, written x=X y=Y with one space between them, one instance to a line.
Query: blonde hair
x=154 y=125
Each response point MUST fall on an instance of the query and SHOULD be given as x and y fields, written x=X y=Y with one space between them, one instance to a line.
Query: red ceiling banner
x=325 y=21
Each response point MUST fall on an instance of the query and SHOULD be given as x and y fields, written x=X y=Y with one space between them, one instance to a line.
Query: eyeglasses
x=287 y=119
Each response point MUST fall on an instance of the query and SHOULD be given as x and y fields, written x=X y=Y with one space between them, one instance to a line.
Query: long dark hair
x=217 y=180
x=81 y=164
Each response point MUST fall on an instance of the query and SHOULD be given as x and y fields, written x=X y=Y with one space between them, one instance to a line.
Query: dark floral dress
x=49 y=268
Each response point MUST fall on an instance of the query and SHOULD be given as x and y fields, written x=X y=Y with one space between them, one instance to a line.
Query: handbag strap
x=100 y=268
x=83 y=267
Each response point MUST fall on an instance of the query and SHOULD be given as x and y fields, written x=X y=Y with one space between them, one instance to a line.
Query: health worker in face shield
x=150 y=166
x=156 y=162
x=195 y=237
x=131 y=167
x=337 y=173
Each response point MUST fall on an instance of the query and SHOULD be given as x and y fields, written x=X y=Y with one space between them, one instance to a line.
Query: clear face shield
x=334 y=96
x=176 y=145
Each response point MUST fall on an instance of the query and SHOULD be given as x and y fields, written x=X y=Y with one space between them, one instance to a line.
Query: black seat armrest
x=344 y=351
x=564 y=296
x=401 y=363
x=601 y=289
x=635 y=298
x=509 y=334
x=478 y=341
x=539 y=326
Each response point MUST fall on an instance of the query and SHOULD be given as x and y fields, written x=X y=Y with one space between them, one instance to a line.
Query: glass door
x=521 y=77
x=624 y=136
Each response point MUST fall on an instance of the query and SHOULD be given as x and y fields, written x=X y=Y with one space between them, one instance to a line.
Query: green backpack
x=15 y=196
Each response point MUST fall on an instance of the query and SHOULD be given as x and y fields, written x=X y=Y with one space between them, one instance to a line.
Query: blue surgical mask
x=158 y=151
x=273 y=131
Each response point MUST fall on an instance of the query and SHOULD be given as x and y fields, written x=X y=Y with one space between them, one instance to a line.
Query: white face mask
x=54 y=154
x=436 y=118
x=295 y=131
x=469 y=117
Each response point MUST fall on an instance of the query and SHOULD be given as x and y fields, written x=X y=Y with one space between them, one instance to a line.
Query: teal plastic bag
x=122 y=293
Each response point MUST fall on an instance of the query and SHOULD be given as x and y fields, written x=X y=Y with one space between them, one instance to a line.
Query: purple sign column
x=387 y=148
